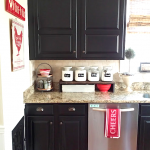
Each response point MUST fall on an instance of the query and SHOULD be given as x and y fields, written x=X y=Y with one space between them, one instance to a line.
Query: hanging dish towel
x=112 y=123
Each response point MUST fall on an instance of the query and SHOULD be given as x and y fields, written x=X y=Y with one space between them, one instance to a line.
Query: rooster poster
x=17 y=46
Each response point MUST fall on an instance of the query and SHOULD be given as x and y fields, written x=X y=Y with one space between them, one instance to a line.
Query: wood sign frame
x=17 y=45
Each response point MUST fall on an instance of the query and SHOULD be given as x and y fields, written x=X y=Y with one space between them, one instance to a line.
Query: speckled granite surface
x=96 y=97
x=120 y=96
x=28 y=92
x=135 y=86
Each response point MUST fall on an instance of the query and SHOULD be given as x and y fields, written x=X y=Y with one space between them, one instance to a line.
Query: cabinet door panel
x=40 y=135
x=54 y=14
x=72 y=133
x=54 y=44
x=103 y=29
x=97 y=43
x=144 y=143
x=102 y=14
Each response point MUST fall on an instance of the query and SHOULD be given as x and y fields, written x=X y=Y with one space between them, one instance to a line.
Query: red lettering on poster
x=15 y=9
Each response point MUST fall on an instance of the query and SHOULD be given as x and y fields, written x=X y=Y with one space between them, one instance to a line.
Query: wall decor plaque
x=17 y=46
x=15 y=9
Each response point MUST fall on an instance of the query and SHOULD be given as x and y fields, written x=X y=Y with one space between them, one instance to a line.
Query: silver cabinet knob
x=83 y=52
x=71 y=109
x=51 y=123
x=39 y=109
x=61 y=123
x=74 y=51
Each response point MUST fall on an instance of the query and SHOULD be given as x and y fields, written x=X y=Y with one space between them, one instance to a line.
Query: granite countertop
x=96 y=97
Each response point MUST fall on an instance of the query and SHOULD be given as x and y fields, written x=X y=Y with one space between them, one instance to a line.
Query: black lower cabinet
x=65 y=127
x=40 y=133
x=144 y=133
x=56 y=126
x=72 y=133
x=18 y=136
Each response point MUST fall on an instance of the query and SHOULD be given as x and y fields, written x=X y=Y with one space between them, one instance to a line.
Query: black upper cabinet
x=76 y=29
x=52 y=29
x=102 y=29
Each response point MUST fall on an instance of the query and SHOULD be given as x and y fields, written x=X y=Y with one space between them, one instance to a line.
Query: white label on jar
x=107 y=75
x=67 y=75
x=80 y=74
x=93 y=74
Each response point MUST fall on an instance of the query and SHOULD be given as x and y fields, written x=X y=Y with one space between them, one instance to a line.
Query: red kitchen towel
x=112 y=123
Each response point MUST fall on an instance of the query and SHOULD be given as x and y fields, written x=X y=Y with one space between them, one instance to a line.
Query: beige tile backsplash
x=57 y=66
x=32 y=71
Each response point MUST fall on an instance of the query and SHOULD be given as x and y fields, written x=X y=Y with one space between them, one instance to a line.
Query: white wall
x=1 y=137
x=1 y=104
x=139 y=42
x=13 y=83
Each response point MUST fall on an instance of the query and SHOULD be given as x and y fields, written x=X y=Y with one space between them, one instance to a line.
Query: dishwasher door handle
x=122 y=110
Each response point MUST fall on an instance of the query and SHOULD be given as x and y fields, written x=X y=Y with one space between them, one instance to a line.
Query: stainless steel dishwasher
x=129 y=127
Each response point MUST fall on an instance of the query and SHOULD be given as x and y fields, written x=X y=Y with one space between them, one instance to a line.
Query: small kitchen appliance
x=80 y=74
x=129 y=127
x=107 y=74
x=93 y=74
x=67 y=74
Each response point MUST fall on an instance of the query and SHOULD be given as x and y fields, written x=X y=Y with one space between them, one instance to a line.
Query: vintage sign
x=15 y=9
x=17 y=46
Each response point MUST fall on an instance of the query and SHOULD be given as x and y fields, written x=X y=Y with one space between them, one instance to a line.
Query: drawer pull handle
x=51 y=123
x=61 y=123
x=40 y=109
x=122 y=110
x=71 y=109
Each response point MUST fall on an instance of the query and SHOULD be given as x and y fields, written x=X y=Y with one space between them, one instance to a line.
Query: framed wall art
x=145 y=67
x=17 y=45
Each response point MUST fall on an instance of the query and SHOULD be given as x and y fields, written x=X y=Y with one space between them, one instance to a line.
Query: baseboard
x=2 y=138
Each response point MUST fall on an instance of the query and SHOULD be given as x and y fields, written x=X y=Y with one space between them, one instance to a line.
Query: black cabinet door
x=18 y=136
x=103 y=29
x=52 y=29
x=144 y=134
x=40 y=135
x=72 y=133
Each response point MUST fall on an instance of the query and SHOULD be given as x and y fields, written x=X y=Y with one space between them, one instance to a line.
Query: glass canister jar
x=67 y=74
x=93 y=73
x=49 y=84
x=80 y=74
